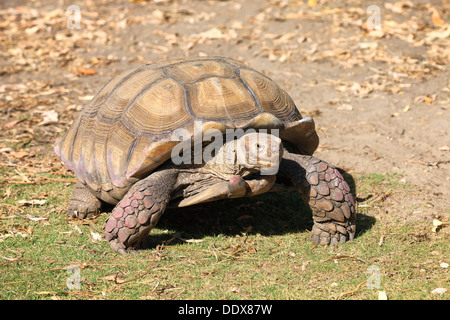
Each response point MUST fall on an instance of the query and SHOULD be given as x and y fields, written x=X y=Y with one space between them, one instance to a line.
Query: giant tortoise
x=130 y=146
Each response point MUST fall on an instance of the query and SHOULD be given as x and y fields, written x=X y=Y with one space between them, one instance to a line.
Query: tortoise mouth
x=235 y=187
x=269 y=167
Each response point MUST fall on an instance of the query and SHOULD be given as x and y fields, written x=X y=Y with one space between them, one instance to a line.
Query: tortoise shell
x=124 y=132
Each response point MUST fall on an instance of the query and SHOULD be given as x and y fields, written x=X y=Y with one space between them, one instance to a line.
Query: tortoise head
x=253 y=152
x=259 y=151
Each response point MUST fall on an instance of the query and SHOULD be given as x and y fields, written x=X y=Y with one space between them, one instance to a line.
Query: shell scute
x=221 y=99
x=271 y=97
x=159 y=109
x=125 y=94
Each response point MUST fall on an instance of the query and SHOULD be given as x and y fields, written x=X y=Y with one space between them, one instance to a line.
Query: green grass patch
x=254 y=248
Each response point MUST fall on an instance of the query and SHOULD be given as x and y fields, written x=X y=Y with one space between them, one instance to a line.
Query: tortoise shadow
x=267 y=214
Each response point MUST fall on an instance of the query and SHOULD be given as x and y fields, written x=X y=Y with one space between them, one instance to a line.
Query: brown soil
x=380 y=98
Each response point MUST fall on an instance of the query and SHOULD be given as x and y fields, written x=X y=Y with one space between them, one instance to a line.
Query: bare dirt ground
x=380 y=97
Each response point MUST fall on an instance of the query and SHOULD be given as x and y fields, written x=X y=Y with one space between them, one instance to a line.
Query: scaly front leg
x=324 y=189
x=139 y=211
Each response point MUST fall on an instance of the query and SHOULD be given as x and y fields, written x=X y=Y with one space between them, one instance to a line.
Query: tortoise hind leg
x=139 y=211
x=83 y=203
x=323 y=188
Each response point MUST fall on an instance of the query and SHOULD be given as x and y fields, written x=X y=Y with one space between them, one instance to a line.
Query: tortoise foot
x=328 y=195
x=83 y=203
x=332 y=233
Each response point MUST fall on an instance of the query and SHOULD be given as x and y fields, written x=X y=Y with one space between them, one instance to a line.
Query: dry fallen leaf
x=398 y=7
x=86 y=98
x=96 y=236
x=192 y=240
x=440 y=291
x=113 y=277
x=31 y=202
x=213 y=33
x=49 y=117
x=19 y=154
x=45 y=292
x=436 y=17
x=438 y=224
x=382 y=295
x=426 y=99
x=78 y=229
x=89 y=71
x=304 y=265
x=29 y=216
x=12 y=123
x=438 y=34
x=347 y=107
x=381 y=241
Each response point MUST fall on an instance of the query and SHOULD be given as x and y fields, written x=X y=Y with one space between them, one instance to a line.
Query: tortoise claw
x=324 y=234
x=314 y=238
x=333 y=241
x=83 y=203
x=122 y=251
